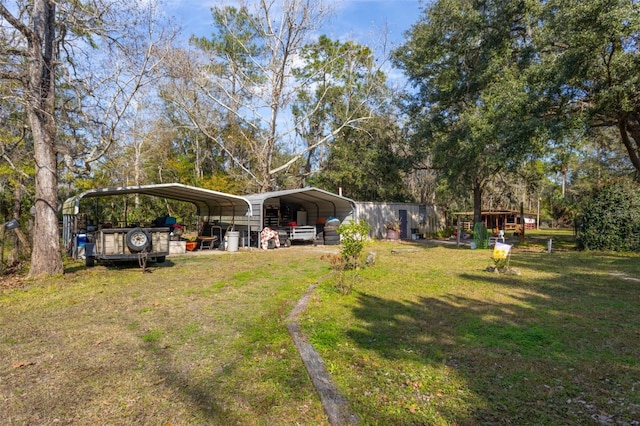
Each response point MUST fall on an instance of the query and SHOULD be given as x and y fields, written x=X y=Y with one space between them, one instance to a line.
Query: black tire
x=138 y=240
x=161 y=259
x=90 y=261
x=287 y=243
x=330 y=228
x=331 y=238
x=331 y=243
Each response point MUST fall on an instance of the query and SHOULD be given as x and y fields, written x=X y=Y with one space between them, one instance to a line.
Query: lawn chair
x=493 y=240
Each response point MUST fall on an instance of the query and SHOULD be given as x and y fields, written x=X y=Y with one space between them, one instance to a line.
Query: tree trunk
x=46 y=258
x=630 y=145
x=477 y=202
x=522 y=223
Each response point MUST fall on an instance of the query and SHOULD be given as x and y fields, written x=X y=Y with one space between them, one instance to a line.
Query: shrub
x=353 y=236
x=446 y=232
x=610 y=218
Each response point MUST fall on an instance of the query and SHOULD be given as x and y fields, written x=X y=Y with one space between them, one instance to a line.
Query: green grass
x=427 y=337
x=431 y=337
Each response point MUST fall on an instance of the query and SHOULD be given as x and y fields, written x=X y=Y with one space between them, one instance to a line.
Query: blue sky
x=363 y=21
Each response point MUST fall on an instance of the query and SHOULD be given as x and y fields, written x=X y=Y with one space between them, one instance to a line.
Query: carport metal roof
x=208 y=202
x=339 y=205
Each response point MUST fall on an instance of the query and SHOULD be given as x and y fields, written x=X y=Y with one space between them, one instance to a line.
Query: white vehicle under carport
x=102 y=242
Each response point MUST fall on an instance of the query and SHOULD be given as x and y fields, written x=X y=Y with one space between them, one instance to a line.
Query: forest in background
x=501 y=103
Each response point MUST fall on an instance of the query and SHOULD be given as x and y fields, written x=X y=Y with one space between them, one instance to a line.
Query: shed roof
x=208 y=202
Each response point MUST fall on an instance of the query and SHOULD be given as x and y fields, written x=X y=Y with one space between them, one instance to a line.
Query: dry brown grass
x=198 y=340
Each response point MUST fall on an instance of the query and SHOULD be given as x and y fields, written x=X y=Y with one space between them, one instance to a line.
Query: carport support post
x=458 y=233
x=248 y=242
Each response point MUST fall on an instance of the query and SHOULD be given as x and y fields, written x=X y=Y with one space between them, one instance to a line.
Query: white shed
x=414 y=219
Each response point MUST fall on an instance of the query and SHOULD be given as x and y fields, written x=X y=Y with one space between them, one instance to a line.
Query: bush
x=445 y=233
x=353 y=236
x=610 y=218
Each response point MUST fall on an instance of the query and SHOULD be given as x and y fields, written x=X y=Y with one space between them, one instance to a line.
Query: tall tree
x=253 y=53
x=590 y=61
x=47 y=45
x=472 y=109
x=341 y=83
x=38 y=81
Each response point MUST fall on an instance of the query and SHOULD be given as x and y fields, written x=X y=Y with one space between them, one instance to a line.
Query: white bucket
x=232 y=240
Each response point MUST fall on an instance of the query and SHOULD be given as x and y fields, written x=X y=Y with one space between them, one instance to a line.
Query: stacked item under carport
x=329 y=235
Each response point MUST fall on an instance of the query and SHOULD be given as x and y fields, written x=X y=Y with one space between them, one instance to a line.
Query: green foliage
x=367 y=162
x=562 y=210
x=610 y=218
x=353 y=236
x=472 y=114
x=364 y=157
x=589 y=65
x=446 y=232
x=346 y=266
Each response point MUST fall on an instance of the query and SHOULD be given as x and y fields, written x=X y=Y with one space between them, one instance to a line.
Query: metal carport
x=209 y=203
x=316 y=202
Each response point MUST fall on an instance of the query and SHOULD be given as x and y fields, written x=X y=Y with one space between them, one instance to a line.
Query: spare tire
x=138 y=240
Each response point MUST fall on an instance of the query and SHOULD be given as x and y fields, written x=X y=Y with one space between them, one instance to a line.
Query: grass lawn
x=430 y=337
x=197 y=340
x=426 y=337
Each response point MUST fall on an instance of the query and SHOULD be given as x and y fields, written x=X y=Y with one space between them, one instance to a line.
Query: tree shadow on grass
x=536 y=351
x=247 y=385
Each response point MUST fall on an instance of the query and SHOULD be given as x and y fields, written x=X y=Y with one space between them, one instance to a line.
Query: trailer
x=112 y=244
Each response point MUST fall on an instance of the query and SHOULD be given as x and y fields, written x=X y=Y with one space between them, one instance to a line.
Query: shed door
x=402 y=215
